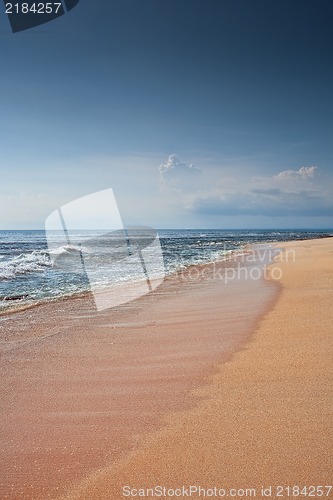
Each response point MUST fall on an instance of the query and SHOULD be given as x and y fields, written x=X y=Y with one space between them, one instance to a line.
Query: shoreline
x=19 y=304
x=22 y=306
x=83 y=390
x=265 y=419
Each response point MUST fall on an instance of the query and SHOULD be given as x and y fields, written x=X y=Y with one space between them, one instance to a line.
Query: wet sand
x=81 y=391
x=265 y=418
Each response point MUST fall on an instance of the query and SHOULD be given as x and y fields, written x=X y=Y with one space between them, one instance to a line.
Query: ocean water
x=34 y=269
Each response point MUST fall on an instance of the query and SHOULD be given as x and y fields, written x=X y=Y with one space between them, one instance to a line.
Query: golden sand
x=80 y=389
x=195 y=384
x=266 y=417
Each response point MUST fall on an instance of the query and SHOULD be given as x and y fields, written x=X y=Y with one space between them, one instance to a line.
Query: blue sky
x=197 y=114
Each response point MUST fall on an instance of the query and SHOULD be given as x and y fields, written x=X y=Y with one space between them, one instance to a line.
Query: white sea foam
x=65 y=250
x=36 y=261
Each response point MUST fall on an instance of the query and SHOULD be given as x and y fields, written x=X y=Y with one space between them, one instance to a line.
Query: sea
x=36 y=267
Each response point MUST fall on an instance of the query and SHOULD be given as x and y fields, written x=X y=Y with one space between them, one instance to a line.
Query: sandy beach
x=266 y=417
x=201 y=382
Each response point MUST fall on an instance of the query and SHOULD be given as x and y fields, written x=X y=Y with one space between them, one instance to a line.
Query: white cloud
x=176 y=174
x=303 y=173
x=174 y=163
x=289 y=193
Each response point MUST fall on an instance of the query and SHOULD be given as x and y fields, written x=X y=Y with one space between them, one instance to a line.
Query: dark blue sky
x=104 y=95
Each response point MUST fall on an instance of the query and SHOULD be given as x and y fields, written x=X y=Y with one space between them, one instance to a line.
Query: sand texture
x=81 y=390
x=266 y=417
x=199 y=383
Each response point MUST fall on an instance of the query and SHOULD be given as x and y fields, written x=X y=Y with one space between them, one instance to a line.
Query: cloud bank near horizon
x=288 y=193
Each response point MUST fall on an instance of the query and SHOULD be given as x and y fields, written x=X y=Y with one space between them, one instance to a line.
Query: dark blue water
x=28 y=272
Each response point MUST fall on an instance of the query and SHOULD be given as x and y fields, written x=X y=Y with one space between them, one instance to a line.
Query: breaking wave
x=33 y=262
